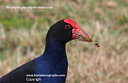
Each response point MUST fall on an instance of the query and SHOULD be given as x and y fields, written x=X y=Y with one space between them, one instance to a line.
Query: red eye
x=67 y=26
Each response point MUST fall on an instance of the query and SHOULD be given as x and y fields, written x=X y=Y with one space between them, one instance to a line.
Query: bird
x=52 y=65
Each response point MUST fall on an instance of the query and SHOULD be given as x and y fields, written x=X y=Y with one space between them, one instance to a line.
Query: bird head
x=66 y=30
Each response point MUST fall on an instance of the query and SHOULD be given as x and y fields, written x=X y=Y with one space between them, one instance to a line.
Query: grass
x=22 y=37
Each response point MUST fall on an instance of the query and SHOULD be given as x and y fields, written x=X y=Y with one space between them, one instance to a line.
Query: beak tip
x=90 y=40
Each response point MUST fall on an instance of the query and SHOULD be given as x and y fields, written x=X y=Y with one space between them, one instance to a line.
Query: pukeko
x=52 y=65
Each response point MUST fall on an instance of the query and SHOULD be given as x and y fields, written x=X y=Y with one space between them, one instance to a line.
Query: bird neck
x=54 y=46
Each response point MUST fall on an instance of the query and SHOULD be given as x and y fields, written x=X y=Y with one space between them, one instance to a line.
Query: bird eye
x=67 y=26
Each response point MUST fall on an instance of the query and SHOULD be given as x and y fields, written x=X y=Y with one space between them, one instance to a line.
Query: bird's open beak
x=79 y=34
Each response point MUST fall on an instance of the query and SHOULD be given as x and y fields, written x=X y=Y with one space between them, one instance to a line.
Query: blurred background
x=23 y=31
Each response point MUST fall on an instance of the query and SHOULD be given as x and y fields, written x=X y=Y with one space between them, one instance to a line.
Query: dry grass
x=105 y=21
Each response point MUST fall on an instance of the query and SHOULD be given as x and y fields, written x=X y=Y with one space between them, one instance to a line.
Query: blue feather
x=53 y=61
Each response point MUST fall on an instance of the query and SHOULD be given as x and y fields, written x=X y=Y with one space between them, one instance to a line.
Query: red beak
x=80 y=34
x=77 y=32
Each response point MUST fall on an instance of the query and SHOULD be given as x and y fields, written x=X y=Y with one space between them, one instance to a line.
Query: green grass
x=3 y=56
